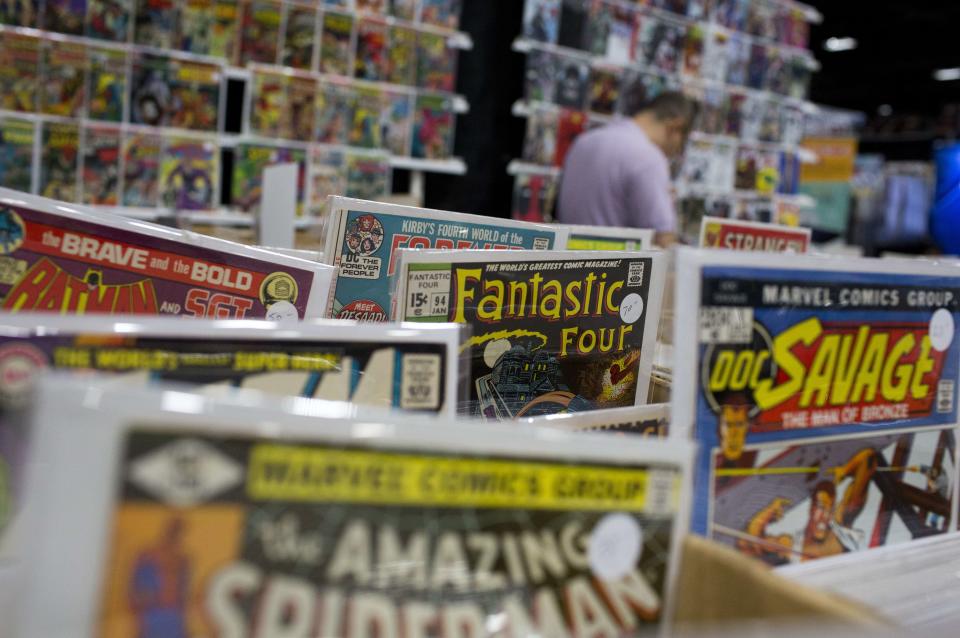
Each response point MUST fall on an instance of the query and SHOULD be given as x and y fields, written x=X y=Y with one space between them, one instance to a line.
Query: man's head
x=666 y=118
x=733 y=426
x=821 y=510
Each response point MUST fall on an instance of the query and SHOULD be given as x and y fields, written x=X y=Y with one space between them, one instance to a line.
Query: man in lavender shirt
x=619 y=174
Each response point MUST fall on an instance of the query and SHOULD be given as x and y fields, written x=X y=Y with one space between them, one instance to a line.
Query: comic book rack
x=136 y=107
x=747 y=64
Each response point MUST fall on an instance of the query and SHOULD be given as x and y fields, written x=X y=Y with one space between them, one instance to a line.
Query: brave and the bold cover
x=554 y=332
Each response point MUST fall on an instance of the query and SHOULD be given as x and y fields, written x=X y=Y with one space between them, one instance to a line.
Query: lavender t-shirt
x=615 y=176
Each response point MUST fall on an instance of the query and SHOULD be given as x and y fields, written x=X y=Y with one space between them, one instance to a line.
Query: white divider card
x=230 y=517
x=641 y=420
x=823 y=397
x=278 y=206
x=553 y=331
x=609 y=238
x=67 y=259
x=363 y=239
x=734 y=234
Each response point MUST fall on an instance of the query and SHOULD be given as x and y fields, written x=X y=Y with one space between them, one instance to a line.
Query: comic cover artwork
x=799 y=84
x=621 y=45
x=436 y=64
x=604 y=90
x=441 y=13
x=715 y=60
x=194 y=94
x=228 y=556
x=107 y=84
x=367 y=112
x=20 y=13
x=778 y=72
x=368 y=175
x=109 y=19
x=19 y=70
x=370 y=62
x=301 y=102
x=249 y=160
x=188 y=174
x=738 y=60
x=540 y=77
x=378 y=7
x=662 y=44
x=334 y=111
x=570 y=124
x=155 y=23
x=596 y=35
x=403 y=9
x=540 y=143
x=573 y=84
x=16 y=154
x=574 y=22
x=433 y=127
x=208 y=27
x=326 y=176
x=693 y=51
x=770 y=123
x=65 y=16
x=825 y=409
x=100 y=181
x=397 y=123
x=533 y=198
x=298 y=38
x=260 y=33
x=336 y=38
x=59 y=161
x=757 y=66
x=141 y=170
x=151 y=102
x=401 y=56
x=224 y=33
x=268 y=108
x=63 y=79
x=731 y=14
x=547 y=336
x=541 y=20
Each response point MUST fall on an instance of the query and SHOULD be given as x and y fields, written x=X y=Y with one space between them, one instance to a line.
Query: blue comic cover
x=825 y=409
x=364 y=238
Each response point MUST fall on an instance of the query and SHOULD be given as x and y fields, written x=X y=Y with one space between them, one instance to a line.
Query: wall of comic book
x=125 y=103
x=746 y=62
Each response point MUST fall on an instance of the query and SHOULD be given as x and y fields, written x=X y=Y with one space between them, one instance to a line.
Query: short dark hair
x=666 y=105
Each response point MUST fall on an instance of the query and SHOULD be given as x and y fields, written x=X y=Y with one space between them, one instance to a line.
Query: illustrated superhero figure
x=159 y=586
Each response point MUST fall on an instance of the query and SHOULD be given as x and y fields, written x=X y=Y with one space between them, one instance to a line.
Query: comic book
x=716 y=56
x=823 y=399
x=436 y=64
x=574 y=20
x=336 y=43
x=155 y=23
x=533 y=198
x=540 y=77
x=714 y=109
x=260 y=33
x=693 y=51
x=194 y=94
x=609 y=238
x=370 y=61
x=433 y=122
x=401 y=56
x=151 y=101
x=699 y=9
x=570 y=124
x=540 y=143
x=568 y=532
x=109 y=19
x=697 y=163
x=604 y=90
x=249 y=160
x=16 y=153
x=662 y=44
x=403 y=9
x=326 y=176
x=20 y=13
x=752 y=236
x=641 y=86
x=363 y=239
x=723 y=168
x=300 y=107
x=792 y=126
x=59 y=161
x=299 y=35
x=196 y=25
x=674 y=6
x=648 y=421
x=789 y=173
x=100 y=172
x=621 y=45
x=800 y=73
x=573 y=82
x=19 y=70
x=757 y=66
x=189 y=170
x=64 y=16
x=63 y=79
x=378 y=7
x=334 y=110
x=365 y=127
x=141 y=170
x=368 y=175
x=541 y=20
x=554 y=332
x=397 y=123
x=597 y=28
x=441 y=13
x=224 y=33
x=107 y=84
x=731 y=14
x=777 y=79
x=748 y=167
x=771 y=122
x=738 y=60
x=752 y=109
x=79 y=261
x=268 y=106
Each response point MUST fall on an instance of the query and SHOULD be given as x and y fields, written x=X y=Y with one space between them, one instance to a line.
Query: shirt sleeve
x=648 y=202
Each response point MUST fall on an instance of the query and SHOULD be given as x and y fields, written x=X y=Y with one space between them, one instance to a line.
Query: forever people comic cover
x=552 y=333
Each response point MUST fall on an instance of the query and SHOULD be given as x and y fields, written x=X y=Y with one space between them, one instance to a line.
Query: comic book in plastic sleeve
x=19 y=70
x=194 y=94
x=534 y=195
x=326 y=176
x=189 y=169
x=365 y=130
x=141 y=170
x=78 y=261
x=823 y=399
x=370 y=61
x=59 y=161
x=107 y=84
x=715 y=58
x=268 y=105
x=64 y=16
x=732 y=234
x=363 y=238
x=195 y=26
x=376 y=7
x=20 y=14
x=225 y=32
x=561 y=532
x=100 y=172
x=609 y=238
x=155 y=23
x=300 y=106
x=397 y=122
x=260 y=32
x=573 y=82
x=403 y=9
x=436 y=63
x=570 y=124
x=604 y=90
x=693 y=50
x=401 y=56
x=109 y=19
x=598 y=28
x=541 y=20
x=336 y=43
x=433 y=124
x=299 y=35
x=368 y=175
x=540 y=141
x=554 y=332
x=441 y=13
x=540 y=77
x=662 y=44
x=648 y=421
x=249 y=160
x=151 y=101
x=574 y=24
x=336 y=103
x=16 y=153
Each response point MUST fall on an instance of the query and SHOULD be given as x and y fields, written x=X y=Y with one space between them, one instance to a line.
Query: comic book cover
x=570 y=124
x=533 y=198
x=249 y=160
x=16 y=154
x=64 y=78
x=693 y=51
x=771 y=122
x=370 y=62
x=714 y=66
x=260 y=33
x=433 y=122
x=194 y=94
x=403 y=9
x=621 y=44
x=436 y=64
x=189 y=174
x=792 y=127
x=597 y=28
x=397 y=123
x=798 y=30
x=662 y=44
x=301 y=105
x=800 y=73
x=109 y=19
x=335 y=106
x=641 y=87
x=363 y=239
x=401 y=56
x=748 y=167
x=107 y=84
x=752 y=236
x=378 y=7
x=268 y=106
x=738 y=60
x=441 y=13
x=541 y=20
x=540 y=142
x=789 y=173
x=365 y=129
x=647 y=421
x=65 y=16
x=697 y=163
x=724 y=166
x=551 y=333
x=712 y=116
x=141 y=170
x=19 y=70
x=751 y=109
x=195 y=26
x=336 y=43
x=731 y=14
x=84 y=262
x=604 y=90
x=674 y=6
x=762 y=20
x=326 y=175
x=151 y=101
x=757 y=66
x=566 y=532
x=155 y=23
x=573 y=82
x=778 y=72
x=100 y=172
x=574 y=18
x=699 y=9
x=540 y=77
x=824 y=401
x=368 y=175
x=224 y=32
x=609 y=238
x=60 y=161
x=20 y=13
